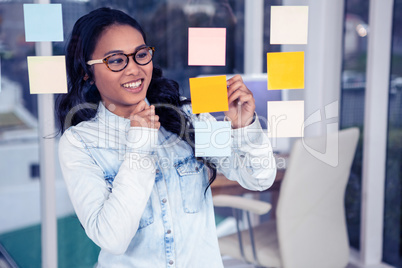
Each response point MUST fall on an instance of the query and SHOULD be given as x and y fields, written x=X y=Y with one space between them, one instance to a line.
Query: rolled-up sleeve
x=110 y=219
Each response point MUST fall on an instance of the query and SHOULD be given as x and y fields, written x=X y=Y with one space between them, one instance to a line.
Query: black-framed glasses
x=119 y=61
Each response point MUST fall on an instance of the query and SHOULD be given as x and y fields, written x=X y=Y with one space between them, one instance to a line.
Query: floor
x=233 y=263
x=227 y=226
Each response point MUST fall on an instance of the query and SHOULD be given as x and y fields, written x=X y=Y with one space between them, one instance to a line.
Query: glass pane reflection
x=392 y=243
x=352 y=103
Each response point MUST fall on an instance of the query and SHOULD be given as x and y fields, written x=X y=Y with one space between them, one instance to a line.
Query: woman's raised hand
x=144 y=116
x=241 y=103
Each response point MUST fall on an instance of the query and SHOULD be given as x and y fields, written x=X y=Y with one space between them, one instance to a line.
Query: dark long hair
x=81 y=101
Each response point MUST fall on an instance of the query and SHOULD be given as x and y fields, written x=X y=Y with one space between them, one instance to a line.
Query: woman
x=127 y=150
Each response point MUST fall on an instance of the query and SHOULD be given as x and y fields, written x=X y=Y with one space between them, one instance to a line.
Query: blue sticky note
x=212 y=138
x=43 y=22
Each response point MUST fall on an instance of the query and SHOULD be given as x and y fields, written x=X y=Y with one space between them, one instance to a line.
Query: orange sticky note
x=47 y=74
x=285 y=70
x=207 y=46
x=209 y=94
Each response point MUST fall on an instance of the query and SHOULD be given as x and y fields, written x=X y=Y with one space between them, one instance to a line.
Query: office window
x=392 y=243
x=356 y=30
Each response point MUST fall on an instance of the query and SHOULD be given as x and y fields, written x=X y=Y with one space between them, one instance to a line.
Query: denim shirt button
x=164 y=200
x=171 y=262
x=196 y=168
x=168 y=231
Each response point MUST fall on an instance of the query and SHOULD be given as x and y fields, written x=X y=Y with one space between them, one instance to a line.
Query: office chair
x=310 y=226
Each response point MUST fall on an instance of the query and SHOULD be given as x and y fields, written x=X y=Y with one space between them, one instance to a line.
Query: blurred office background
x=337 y=60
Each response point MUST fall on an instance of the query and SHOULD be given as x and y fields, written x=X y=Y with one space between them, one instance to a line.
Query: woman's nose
x=132 y=66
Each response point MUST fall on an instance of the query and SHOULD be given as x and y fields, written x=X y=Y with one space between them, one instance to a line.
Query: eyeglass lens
x=119 y=61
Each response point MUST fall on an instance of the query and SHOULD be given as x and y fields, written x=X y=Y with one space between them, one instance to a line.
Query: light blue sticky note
x=43 y=22
x=212 y=138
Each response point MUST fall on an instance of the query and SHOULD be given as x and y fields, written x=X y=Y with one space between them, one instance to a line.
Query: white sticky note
x=43 y=22
x=212 y=138
x=289 y=25
x=47 y=74
x=285 y=119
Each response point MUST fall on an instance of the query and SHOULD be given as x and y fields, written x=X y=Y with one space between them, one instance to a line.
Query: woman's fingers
x=154 y=121
x=235 y=78
x=241 y=102
x=246 y=98
x=140 y=107
x=236 y=84
x=234 y=96
x=239 y=91
x=144 y=116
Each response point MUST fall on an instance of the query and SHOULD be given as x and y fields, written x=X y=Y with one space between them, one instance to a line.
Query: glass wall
x=356 y=30
x=19 y=159
x=267 y=24
x=166 y=24
x=392 y=245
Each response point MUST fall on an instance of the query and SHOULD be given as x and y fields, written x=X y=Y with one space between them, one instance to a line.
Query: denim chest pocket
x=192 y=184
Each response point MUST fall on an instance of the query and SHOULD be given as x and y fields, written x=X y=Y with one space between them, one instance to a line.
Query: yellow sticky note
x=47 y=74
x=209 y=94
x=285 y=70
x=285 y=119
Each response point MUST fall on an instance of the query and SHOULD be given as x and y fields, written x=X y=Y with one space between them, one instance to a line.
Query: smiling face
x=124 y=89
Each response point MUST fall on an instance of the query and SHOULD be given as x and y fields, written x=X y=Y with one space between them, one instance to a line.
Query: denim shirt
x=139 y=192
